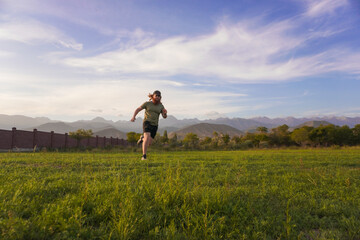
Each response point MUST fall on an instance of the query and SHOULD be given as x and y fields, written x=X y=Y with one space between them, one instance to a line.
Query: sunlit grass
x=269 y=194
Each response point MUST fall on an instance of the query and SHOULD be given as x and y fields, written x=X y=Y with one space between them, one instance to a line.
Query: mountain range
x=206 y=130
x=292 y=121
x=171 y=124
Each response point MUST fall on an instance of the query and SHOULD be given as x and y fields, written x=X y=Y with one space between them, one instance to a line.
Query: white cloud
x=232 y=51
x=348 y=111
x=246 y=52
x=6 y=54
x=107 y=97
x=94 y=15
x=242 y=52
x=96 y=110
x=317 y=8
x=214 y=115
x=173 y=83
x=203 y=85
x=348 y=62
x=30 y=31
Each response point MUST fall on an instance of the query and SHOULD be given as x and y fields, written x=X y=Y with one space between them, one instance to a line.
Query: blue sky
x=71 y=60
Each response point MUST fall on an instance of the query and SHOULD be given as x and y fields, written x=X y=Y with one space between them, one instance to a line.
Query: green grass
x=264 y=194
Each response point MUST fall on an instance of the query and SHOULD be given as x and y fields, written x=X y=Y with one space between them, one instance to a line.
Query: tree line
x=281 y=136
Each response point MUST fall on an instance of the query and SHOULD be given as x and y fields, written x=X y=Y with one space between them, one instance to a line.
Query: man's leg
x=146 y=142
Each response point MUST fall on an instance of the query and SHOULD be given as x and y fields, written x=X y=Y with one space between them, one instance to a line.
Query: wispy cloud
x=348 y=111
x=30 y=31
x=173 y=83
x=249 y=51
x=214 y=115
x=232 y=51
x=317 y=8
x=306 y=92
x=91 y=14
x=108 y=97
x=6 y=54
x=243 y=52
x=96 y=110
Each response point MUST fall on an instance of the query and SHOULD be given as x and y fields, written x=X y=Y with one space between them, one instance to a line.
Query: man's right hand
x=133 y=119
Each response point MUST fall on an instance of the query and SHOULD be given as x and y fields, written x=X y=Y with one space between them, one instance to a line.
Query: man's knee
x=147 y=138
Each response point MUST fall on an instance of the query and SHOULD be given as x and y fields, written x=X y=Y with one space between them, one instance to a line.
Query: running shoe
x=140 y=141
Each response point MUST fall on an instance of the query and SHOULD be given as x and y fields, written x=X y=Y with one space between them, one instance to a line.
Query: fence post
x=51 y=138
x=88 y=142
x=97 y=141
x=66 y=140
x=34 y=138
x=117 y=141
x=111 y=141
x=13 y=137
x=104 y=141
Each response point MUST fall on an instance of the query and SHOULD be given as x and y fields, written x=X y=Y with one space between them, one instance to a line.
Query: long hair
x=151 y=96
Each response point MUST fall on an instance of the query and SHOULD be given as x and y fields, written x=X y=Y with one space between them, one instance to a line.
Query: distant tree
x=250 y=139
x=248 y=144
x=206 y=140
x=323 y=135
x=165 y=138
x=157 y=141
x=248 y=136
x=280 y=136
x=81 y=134
x=226 y=139
x=235 y=142
x=343 y=136
x=301 y=135
x=356 y=134
x=133 y=137
x=236 y=139
x=262 y=136
x=262 y=129
x=215 y=140
x=191 y=140
x=173 y=141
x=283 y=129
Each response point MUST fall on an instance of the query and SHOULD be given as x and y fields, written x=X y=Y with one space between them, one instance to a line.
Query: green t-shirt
x=152 y=112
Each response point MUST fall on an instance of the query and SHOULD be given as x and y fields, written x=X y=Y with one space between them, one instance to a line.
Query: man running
x=153 y=108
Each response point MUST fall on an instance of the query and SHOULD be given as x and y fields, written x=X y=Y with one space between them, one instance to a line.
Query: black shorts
x=147 y=127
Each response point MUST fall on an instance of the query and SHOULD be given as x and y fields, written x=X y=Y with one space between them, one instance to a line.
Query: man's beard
x=155 y=101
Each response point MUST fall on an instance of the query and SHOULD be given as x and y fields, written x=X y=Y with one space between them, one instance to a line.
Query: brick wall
x=27 y=139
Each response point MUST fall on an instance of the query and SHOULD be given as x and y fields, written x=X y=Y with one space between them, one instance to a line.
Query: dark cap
x=157 y=92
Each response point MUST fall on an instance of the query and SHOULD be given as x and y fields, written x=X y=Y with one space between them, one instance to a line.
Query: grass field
x=263 y=194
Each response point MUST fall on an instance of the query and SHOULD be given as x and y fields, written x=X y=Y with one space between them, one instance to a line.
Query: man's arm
x=135 y=113
x=164 y=113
